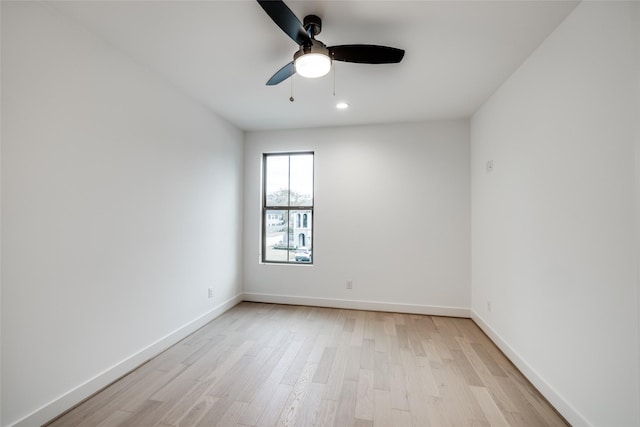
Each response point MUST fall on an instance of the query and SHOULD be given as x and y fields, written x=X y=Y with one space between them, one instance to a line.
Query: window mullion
x=289 y=183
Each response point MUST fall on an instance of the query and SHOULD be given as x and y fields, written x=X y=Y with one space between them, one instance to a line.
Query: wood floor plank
x=362 y=423
x=327 y=413
x=489 y=407
x=488 y=379
x=415 y=387
x=457 y=400
x=400 y=418
x=174 y=390
x=346 y=411
x=358 y=330
x=424 y=325
x=399 y=318
x=403 y=338
x=369 y=326
x=269 y=364
x=393 y=350
x=231 y=416
x=352 y=367
x=489 y=362
x=381 y=338
x=431 y=351
x=200 y=369
x=115 y=419
x=415 y=338
x=215 y=412
x=349 y=324
x=437 y=413
x=297 y=396
x=440 y=345
x=420 y=375
x=381 y=371
x=364 y=399
x=195 y=412
x=398 y=387
x=338 y=368
x=309 y=411
x=448 y=332
x=234 y=377
x=524 y=409
x=146 y=415
x=202 y=349
x=541 y=405
x=137 y=399
x=185 y=406
x=469 y=374
x=389 y=324
x=325 y=365
x=265 y=370
x=272 y=411
x=291 y=375
x=367 y=354
x=266 y=391
x=382 y=415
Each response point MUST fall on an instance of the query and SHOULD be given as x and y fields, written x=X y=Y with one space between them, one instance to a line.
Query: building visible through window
x=287 y=208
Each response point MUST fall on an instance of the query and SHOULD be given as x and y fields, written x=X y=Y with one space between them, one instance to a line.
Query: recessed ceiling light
x=342 y=105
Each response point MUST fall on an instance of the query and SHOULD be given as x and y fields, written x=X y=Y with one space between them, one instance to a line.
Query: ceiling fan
x=313 y=59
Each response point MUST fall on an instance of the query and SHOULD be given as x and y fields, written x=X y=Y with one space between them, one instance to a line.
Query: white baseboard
x=358 y=305
x=551 y=394
x=73 y=397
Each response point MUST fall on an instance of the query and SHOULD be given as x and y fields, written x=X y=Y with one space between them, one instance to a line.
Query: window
x=287 y=208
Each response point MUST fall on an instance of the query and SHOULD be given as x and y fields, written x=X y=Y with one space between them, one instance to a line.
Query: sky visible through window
x=299 y=170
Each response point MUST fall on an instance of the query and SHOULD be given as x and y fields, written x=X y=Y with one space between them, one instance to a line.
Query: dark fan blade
x=282 y=74
x=366 y=54
x=286 y=20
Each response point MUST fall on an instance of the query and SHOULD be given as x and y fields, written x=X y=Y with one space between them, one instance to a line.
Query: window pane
x=288 y=208
x=300 y=224
x=302 y=180
x=277 y=180
x=276 y=235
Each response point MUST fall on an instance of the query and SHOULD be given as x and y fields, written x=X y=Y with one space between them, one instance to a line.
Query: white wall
x=391 y=214
x=553 y=224
x=121 y=205
x=637 y=136
x=0 y=222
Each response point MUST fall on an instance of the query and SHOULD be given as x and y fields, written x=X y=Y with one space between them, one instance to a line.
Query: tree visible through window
x=287 y=208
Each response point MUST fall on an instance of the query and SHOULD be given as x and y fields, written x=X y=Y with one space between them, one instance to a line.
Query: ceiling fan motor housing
x=316 y=47
x=312 y=24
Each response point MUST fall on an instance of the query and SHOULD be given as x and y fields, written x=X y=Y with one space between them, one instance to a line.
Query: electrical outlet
x=210 y=292
x=490 y=166
x=349 y=284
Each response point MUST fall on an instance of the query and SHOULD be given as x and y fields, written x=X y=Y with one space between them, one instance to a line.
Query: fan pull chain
x=291 y=98
x=334 y=80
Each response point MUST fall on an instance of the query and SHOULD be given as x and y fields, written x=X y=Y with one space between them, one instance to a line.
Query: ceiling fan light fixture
x=313 y=58
x=312 y=65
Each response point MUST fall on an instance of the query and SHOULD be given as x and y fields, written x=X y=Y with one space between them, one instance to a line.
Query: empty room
x=320 y=213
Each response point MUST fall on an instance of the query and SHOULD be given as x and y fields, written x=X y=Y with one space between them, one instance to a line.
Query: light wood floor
x=267 y=365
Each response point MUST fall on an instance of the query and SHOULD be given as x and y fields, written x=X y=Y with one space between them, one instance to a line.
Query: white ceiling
x=222 y=53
